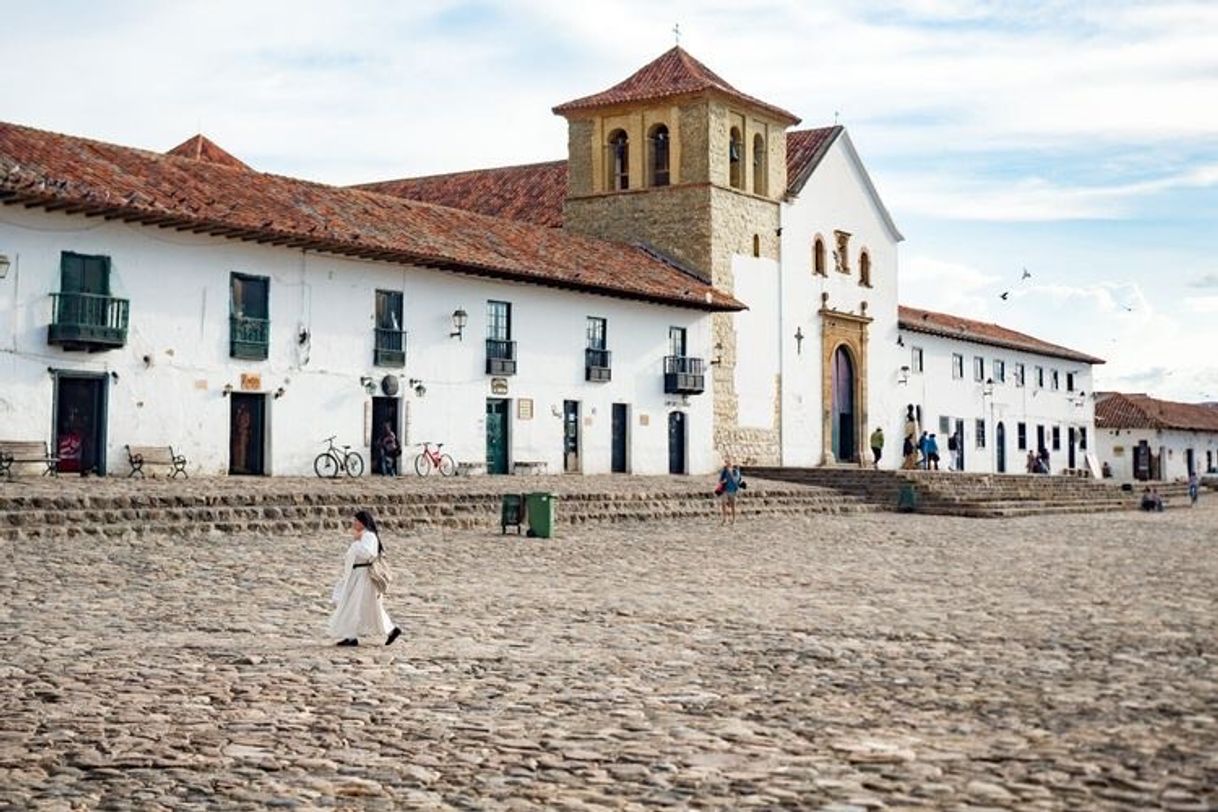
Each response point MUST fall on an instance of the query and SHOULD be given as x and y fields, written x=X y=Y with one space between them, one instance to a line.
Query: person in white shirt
x=359 y=612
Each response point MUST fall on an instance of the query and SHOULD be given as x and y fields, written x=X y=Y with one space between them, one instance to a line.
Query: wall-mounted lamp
x=303 y=337
x=114 y=376
x=5 y=264
x=460 y=319
x=988 y=389
x=147 y=361
x=227 y=390
x=718 y=359
x=417 y=385
x=903 y=377
x=799 y=340
x=280 y=392
x=368 y=384
x=900 y=341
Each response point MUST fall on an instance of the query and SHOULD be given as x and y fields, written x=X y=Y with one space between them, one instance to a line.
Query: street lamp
x=987 y=393
x=460 y=318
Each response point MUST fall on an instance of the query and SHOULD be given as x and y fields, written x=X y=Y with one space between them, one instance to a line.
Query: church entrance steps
x=973 y=495
x=286 y=506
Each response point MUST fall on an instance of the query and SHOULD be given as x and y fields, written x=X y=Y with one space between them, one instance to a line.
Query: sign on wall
x=250 y=382
x=524 y=409
x=499 y=386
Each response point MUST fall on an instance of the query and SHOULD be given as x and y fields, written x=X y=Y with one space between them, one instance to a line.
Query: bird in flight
x=1026 y=275
x=1005 y=295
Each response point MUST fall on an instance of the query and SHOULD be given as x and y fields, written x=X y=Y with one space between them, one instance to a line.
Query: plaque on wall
x=644 y=420
x=499 y=386
x=524 y=409
x=250 y=382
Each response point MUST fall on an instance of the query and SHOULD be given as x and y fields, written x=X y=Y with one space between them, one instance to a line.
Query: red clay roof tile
x=1120 y=410
x=949 y=326
x=76 y=175
x=673 y=73
x=201 y=148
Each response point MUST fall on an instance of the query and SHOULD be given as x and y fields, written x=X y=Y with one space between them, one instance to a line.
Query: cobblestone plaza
x=828 y=662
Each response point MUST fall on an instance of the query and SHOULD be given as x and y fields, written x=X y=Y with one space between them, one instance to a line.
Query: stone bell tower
x=676 y=158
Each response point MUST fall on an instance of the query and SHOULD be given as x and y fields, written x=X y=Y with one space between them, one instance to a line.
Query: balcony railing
x=390 y=348
x=88 y=321
x=248 y=338
x=683 y=375
x=500 y=357
x=597 y=366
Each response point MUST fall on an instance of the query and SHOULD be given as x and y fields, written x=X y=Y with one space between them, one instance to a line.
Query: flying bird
x=1005 y=294
x=1026 y=275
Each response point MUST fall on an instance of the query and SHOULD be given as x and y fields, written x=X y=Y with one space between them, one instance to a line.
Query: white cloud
x=1202 y=304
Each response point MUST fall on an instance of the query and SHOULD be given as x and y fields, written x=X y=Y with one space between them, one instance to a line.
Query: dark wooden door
x=80 y=423
x=676 y=443
x=247 y=435
x=384 y=414
x=496 y=436
x=959 y=445
x=620 y=416
x=1000 y=437
x=1072 y=441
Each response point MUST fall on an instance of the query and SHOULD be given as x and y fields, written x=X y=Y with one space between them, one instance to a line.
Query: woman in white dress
x=359 y=612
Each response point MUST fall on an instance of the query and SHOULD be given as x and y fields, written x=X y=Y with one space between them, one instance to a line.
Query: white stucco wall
x=757 y=340
x=1172 y=444
x=940 y=394
x=836 y=198
x=178 y=285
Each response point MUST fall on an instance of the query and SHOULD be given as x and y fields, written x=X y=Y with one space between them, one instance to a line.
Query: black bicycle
x=334 y=460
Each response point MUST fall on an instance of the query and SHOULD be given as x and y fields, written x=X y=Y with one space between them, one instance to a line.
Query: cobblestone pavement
x=862 y=662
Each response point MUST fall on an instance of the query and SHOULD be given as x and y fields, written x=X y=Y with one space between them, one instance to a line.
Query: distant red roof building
x=200 y=148
x=79 y=176
x=1119 y=410
x=949 y=326
x=534 y=193
x=673 y=73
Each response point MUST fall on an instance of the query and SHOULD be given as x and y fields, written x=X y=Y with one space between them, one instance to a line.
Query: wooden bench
x=471 y=468
x=141 y=455
x=33 y=451
x=526 y=467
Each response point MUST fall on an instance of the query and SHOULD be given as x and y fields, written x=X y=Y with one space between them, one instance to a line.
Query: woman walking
x=728 y=487
x=359 y=612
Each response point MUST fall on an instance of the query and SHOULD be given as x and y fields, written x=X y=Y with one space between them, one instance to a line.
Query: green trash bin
x=540 y=507
x=511 y=512
x=907 y=500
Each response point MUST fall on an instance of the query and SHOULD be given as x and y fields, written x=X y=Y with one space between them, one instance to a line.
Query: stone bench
x=27 y=451
x=471 y=468
x=140 y=455
x=528 y=468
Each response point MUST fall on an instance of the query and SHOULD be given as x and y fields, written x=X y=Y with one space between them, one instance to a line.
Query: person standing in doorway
x=391 y=450
x=877 y=446
x=953 y=450
x=924 y=451
x=909 y=446
x=932 y=453
x=727 y=489
x=358 y=611
x=1031 y=461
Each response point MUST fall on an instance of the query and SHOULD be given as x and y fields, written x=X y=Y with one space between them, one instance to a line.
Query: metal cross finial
x=676 y=32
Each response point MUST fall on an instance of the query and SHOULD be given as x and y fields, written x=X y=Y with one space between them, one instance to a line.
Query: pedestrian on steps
x=358 y=611
x=729 y=485
x=877 y=446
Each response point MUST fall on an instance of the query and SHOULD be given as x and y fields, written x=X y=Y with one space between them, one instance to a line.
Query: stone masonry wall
x=579 y=157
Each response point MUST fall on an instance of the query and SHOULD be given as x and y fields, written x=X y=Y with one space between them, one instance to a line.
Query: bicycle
x=334 y=460
x=429 y=459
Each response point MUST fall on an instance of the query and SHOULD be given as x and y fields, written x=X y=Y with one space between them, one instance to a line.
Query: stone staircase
x=66 y=508
x=974 y=495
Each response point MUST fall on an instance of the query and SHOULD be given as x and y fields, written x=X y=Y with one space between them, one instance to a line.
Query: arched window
x=759 y=168
x=756 y=245
x=619 y=160
x=735 y=171
x=818 y=257
x=865 y=269
x=658 y=143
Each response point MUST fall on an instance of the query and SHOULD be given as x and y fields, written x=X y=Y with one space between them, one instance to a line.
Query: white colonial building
x=697 y=279
x=1000 y=392
x=1143 y=438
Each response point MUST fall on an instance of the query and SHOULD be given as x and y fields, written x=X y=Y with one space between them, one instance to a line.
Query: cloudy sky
x=1076 y=139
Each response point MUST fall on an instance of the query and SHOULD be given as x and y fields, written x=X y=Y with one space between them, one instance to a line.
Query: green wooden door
x=496 y=436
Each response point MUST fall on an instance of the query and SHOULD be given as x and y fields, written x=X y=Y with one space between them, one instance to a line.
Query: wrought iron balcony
x=390 y=349
x=597 y=366
x=683 y=375
x=500 y=357
x=88 y=321
x=248 y=338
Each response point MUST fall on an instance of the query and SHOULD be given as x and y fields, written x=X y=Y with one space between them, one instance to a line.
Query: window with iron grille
x=945 y=424
x=499 y=320
x=957 y=366
x=1057 y=438
x=980 y=432
x=978 y=368
x=1022 y=431
x=390 y=345
x=1019 y=374
x=1000 y=371
x=676 y=341
x=596 y=332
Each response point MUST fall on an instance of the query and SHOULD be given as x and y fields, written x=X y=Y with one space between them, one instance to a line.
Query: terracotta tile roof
x=1119 y=410
x=949 y=326
x=201 y=148
x=532 y=193
x=805 y=148
x=673 y=73
x=535 y=193
x=76 y=175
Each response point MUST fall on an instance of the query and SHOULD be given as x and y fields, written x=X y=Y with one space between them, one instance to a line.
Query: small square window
x=945 y=424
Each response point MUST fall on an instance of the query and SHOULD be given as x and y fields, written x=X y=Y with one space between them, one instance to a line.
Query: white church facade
x=696 y=280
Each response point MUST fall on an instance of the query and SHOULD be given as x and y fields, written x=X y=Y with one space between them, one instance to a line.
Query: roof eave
x=1065 y=355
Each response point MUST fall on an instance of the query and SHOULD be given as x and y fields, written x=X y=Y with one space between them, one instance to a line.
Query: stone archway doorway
x=842 y=387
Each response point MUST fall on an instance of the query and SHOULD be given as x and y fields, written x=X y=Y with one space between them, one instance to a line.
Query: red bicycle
x=429 y=459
